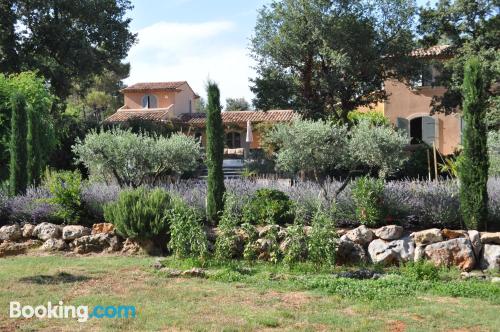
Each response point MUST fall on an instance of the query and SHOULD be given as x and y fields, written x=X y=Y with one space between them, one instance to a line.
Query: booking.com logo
x=60 y=311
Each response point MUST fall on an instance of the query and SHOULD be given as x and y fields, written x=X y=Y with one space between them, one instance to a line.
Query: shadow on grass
x=59 y=278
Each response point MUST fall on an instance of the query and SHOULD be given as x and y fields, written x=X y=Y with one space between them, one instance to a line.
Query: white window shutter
x=430 y=130
x=404 y=125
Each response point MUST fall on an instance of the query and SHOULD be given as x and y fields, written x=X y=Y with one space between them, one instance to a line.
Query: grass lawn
x=241 y=297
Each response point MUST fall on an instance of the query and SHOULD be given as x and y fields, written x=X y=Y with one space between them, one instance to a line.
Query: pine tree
x=215 y=154
x=473 y=170
x=18 y=147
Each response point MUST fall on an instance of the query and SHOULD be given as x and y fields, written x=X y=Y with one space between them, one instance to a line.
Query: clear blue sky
x=194 y=40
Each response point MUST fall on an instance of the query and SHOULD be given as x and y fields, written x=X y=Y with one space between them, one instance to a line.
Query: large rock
x=10 y=233
x=27 y=230
x=475 y=240
x=103 y=228
x=456 y=252
x=96 y=243
x=427 y=236
x=361 y=235
x=490 y=238
x=54 y=245
x=349 y=252
x=134 y=247
x=390 y=232
x=45 y=231
x=490 y=259
x=453 y=234
x=419 y=253
x=390 y=252
x=9 y=248
x=73 y=232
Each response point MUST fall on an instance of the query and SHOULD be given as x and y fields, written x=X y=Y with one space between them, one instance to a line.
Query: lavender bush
x=32 y=207
x=95 y=196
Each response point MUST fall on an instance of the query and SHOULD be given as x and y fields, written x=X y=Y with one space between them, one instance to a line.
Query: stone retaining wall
x=386 y=245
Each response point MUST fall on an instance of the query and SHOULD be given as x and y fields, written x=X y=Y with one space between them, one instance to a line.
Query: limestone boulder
x=361 y=235
x=427 y=236
x=392 y=252
x=8 y=248
x=349 y=252
x=455 y=252
x=449 y=234
x=475 y=240
x=96 y=243
x=10 y=233
x=135 y=247
x=54 y=245
x=490 y=238
x=27 y=230
x=419 y=253
x=73 y=232
x=103 y=228
x=45 y=231
x=490 y=260
x=390 y=232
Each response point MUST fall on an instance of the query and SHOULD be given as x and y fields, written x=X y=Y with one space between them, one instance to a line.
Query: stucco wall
x=406 y=103
x=133 y=100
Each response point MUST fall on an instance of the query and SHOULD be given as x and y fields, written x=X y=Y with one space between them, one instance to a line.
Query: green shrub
x=295 y=249
x=66 y=190
x=368 y=198
x=141 y=214
x=187 y=237
x=250 y=250
x=268 y=206
x=322 y=240
x=227 y=244
x=420 y=270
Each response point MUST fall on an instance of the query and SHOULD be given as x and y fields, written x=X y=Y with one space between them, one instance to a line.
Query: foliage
x=65 y=188
x=471 y=28
x=18 y=179
x=368 y=195
x=296 y=245
x=473 y=170
x=420 y=271
x=309 y=53
x=141 y=214
x=41 y=139
x=375 y=118
x=237 y=104
x=315 y=147
x=95 y=196
x=215 y=154
x=494 y=152
x=32 y=207
x=135 y=159
x=378 y=147
x=268 y=206
x=322 y=240
x=66 y=53
x=187 y=236
x=227 y=244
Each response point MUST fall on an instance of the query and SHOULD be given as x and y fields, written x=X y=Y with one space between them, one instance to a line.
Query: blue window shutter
x=404 y=125
x=429 y=130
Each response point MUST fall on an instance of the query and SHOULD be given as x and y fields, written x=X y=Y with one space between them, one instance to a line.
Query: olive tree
x=133 y=159
x=378 y=147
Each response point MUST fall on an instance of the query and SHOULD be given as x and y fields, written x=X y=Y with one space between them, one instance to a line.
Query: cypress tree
x=34 y=149
x=18 y=169
x=473 y=170
x=215 y=154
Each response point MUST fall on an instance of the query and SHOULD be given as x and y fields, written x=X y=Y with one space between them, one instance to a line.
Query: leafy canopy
x=327 y=58
x=134 y=159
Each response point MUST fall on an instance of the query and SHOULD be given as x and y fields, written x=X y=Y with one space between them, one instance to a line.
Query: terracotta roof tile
x=198 y=119
x=154 y=86
x=433 y=51
x=122 y=116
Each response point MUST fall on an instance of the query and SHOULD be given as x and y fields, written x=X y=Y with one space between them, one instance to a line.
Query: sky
x=195 y=40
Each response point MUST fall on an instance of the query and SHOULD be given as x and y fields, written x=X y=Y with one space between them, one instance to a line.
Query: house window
x=423 y=129
x=149 y=101
x=233 y=140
